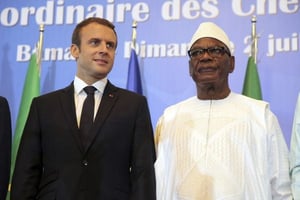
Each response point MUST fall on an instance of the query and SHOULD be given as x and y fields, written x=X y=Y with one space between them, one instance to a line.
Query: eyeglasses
x=214 y=52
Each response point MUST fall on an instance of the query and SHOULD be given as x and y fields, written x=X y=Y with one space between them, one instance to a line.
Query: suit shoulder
x=3 y=100
x=4 y=105
x=55 y=93
x=124 y=93
x=130 y=93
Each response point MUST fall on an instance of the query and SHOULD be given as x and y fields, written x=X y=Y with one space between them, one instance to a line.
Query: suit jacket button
x=85 y=162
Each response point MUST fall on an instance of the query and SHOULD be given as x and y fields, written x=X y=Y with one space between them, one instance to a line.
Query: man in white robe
x=295 y=153
x=219 y=144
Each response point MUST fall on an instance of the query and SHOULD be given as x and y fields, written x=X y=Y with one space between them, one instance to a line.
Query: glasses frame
x=209 y=51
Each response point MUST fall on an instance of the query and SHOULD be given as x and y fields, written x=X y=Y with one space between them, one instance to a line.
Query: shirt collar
x=80 y=84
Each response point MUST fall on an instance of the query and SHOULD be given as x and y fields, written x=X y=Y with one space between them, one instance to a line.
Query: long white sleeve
x=295 y=153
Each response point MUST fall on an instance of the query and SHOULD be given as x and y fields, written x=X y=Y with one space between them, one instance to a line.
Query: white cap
x=211 y=30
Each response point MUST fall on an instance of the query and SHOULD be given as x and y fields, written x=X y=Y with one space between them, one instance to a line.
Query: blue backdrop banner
x=164 y=31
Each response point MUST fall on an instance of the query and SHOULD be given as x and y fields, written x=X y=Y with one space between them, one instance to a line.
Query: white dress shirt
x=80 y=95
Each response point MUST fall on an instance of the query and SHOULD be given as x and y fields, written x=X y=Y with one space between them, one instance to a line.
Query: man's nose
x=102 y=48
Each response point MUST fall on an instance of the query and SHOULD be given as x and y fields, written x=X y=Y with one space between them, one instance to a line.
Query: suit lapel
x=108 y=100
x=68 y=107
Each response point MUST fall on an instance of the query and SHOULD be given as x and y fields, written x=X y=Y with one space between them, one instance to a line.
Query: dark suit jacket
x=5 y=146
x=117 y=165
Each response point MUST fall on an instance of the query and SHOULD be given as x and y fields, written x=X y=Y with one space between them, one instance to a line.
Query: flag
x=251 y=86
x=31 y=89
x=134 y=77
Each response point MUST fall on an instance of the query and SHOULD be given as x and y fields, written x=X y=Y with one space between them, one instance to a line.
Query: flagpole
x=133 y=38
x=40 y=46
x=134 y=82
x=251 y=87
x=254 y=40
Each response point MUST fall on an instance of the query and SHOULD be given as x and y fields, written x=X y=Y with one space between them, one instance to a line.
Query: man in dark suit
x=115 y=160
x=5 y=146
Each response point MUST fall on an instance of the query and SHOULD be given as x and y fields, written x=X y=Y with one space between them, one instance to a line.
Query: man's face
x=95 y=56
x=211 y=67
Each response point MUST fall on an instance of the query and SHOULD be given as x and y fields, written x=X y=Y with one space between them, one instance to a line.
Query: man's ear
x=74 y=51
x=232 y=64
x=190 y=68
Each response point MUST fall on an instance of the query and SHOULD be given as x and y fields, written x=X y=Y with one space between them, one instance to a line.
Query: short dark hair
x=76 y=39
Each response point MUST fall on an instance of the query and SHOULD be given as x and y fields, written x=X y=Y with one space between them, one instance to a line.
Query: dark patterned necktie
x=87 y=114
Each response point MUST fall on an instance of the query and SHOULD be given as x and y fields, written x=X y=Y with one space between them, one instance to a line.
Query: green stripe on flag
x=251 y=86
x=31 y=89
